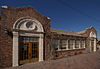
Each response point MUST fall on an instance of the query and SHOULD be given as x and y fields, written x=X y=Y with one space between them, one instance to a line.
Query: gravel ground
x=83 y=61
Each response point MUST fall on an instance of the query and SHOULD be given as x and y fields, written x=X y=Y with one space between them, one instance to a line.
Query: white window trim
x=79 y=46
x=84 y=44
x=73 y=44
x=67 y=45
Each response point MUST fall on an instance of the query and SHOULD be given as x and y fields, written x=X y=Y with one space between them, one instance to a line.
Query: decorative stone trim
x=73 y=44
x=95 y=46
x=15 y=49
x=16 y=34
x=67 y=45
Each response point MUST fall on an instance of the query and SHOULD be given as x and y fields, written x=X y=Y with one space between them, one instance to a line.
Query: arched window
x=92 y=34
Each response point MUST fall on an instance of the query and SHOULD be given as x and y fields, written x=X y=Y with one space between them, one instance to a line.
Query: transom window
x=92 y=45
x=29 y=39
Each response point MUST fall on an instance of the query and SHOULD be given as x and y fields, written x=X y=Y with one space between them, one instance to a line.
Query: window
x=82 y=44
x=24 y=52
x=55 y=43
x=92 y=45
x=77 y=43
x=29 y=39
x=71 y=43
x=92 y=42
x=63 y=44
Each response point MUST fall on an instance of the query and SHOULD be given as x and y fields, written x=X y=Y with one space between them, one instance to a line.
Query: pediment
x=28 y=25
x=93 y=34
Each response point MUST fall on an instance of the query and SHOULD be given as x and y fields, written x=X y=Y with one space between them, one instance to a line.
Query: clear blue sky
x=71 y=15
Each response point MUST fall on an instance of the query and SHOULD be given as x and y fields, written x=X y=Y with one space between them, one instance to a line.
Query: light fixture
x=6 y=30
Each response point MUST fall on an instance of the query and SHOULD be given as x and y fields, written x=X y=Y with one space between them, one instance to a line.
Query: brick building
x=26 y=36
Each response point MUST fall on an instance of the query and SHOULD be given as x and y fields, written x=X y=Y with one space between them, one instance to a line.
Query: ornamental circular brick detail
x=30 y=25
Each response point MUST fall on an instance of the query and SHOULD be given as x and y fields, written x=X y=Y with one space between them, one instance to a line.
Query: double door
x=29 y=51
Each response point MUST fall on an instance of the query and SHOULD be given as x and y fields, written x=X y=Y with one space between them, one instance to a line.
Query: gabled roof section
x=84 y=33
x=87 y=31
x=98 y=39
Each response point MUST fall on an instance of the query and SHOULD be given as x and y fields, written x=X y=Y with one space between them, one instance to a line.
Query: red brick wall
x=5 y=49
x=9 y=16
x=66 y=53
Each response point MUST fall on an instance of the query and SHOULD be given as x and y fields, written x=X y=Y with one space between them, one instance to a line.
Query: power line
x=77 y=10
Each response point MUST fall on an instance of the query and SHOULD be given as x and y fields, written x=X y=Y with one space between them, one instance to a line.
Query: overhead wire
x=77 y=10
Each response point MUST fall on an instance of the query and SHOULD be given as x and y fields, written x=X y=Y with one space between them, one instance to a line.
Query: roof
x=83 y=61
x=65 y=32
x=98 y=39
x=83 y=33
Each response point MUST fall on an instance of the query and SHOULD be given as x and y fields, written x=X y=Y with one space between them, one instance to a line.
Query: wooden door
x=28 y=52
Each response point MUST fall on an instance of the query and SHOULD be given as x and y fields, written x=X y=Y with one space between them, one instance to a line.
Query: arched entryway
x=27 y=41
x=93 y=41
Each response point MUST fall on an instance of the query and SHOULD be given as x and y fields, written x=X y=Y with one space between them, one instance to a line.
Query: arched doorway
x=27 y=41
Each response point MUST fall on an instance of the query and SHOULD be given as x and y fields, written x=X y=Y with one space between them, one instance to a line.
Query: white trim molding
x=20 y=24
x=15 y=48
x=74 y=44
x=67 y=44
x=95 y=46
x=93 y=34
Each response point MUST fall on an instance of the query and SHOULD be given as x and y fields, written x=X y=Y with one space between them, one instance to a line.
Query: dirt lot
x=83 y=61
